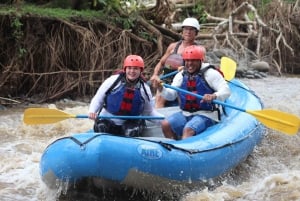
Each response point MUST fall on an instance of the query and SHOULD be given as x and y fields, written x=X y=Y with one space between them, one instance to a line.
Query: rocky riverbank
x=246 y=68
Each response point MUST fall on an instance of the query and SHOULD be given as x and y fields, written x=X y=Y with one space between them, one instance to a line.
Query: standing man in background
x=172 y=58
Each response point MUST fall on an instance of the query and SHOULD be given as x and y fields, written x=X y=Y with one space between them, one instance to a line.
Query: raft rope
x=167 y=146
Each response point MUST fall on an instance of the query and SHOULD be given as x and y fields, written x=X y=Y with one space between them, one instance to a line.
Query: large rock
x=260 y=66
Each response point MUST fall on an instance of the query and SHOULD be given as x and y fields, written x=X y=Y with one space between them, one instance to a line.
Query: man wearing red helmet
x=127 y=94
x=172 y=58
x=196 y=114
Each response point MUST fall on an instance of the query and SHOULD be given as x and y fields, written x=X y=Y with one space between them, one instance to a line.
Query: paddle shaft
x=166 y=75
x=199 y=96
x=284 y=122
x=47 y=116
x=121 y=117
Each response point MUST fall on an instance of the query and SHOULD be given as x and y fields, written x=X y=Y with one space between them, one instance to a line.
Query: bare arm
x=157 y=70
x=162 y=61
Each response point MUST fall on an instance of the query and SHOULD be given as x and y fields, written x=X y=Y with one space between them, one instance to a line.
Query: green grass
x=50 y=12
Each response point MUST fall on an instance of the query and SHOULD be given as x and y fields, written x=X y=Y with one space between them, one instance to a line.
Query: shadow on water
x=86 y=191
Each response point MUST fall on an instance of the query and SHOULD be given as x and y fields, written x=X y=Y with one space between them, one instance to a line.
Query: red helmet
x=194 y=52
x=133 y=60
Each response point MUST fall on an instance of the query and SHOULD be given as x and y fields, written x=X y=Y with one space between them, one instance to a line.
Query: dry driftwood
x=74 y=57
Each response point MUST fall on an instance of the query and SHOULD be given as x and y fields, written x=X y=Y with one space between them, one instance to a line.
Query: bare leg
x=159 y=100
x=188 y=132
x=166 y=128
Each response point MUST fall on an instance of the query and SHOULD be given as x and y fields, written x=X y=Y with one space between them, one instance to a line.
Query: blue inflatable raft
x=152 y=161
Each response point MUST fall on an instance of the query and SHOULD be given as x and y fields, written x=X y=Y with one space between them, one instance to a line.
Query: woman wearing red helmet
x=127 y=94
x=196 y=114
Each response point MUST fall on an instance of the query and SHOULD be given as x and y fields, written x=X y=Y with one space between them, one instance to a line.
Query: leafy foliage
x=17 y=34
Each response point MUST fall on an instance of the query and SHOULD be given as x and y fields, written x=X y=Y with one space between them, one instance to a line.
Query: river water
x=271 y=172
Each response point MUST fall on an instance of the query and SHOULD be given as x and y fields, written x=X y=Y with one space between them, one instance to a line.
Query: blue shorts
x=198 y=123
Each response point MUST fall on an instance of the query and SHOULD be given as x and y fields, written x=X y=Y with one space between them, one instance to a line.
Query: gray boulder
x=260 y=66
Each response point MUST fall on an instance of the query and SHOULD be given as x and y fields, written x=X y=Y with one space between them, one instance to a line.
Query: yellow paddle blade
x=228 y=67
x=45 y=116
x=277 y=120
